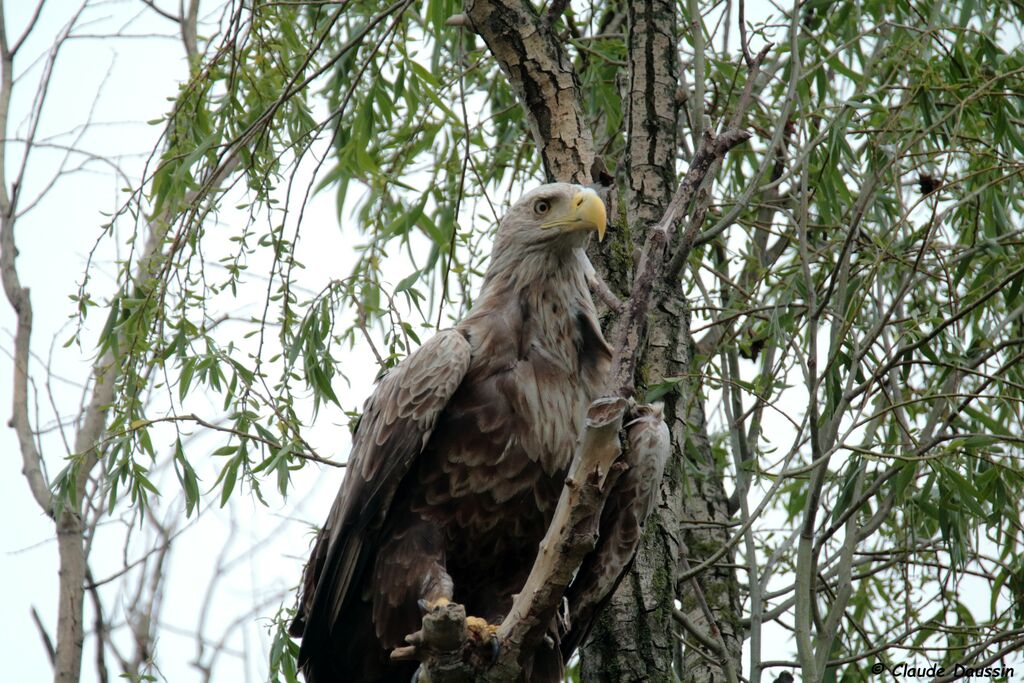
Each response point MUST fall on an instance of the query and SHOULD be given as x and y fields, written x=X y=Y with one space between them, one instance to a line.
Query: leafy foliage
x=858 y=301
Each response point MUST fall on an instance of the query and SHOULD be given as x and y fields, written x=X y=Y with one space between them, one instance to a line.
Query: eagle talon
x=407 y=653
x=482 y=632
x=480 y=628
x=495 y=649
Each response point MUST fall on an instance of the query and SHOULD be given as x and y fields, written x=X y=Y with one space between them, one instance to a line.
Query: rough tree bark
x=544 y=81
x=634 y=640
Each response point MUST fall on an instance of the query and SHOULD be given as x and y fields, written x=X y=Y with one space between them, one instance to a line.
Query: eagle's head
x=554 y=216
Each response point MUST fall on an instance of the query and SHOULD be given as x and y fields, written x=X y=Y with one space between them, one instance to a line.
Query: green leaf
x=227 y=479
x=660 y=389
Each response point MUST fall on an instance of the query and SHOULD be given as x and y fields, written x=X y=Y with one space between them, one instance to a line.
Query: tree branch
x=544 y=81
x=443 y=645
x=44 y=636
x=162 y=12
x=570 y=536
x=18 y=296
x=626 y=335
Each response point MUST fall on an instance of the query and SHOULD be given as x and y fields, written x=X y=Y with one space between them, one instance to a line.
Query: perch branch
x=444 y=647
x=570 y=536
x=441 y=645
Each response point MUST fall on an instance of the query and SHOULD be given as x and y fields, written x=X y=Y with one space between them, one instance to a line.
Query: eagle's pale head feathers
x=559 y=214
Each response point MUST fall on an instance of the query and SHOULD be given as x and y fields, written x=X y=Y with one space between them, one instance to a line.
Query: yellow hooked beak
x=586 y=213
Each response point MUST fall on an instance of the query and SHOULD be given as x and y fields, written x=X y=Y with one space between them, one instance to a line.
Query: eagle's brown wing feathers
x=397 y=422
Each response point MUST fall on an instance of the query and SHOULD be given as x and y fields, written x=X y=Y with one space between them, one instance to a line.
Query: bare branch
x=627 y=332
x=162 y=12
x=28 y=29
x=47 y=642
x=18 y=297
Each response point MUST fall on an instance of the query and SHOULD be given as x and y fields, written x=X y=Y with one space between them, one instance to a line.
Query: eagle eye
x=541 y=207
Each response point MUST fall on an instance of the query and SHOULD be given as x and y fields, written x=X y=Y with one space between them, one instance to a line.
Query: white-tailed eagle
x=462 y=451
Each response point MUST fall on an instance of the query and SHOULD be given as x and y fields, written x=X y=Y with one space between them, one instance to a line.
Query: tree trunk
x=70 y=633
x=544 y=81
x=635 y=639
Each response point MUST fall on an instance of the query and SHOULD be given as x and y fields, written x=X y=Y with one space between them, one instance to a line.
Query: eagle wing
x=397 y=423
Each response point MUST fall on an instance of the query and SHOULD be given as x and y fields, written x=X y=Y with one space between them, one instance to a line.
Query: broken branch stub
x=440 y=646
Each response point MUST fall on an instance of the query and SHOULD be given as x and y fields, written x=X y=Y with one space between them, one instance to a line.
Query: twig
x=192 y=417
x=47 y=643
x=28 y=29
x=630 y=502
x=164 y=13
x=18 y=296
x=626 y=336
x=714 y=633
x=690 y=237
x=697 y=632
x=599 y=287
x=100 y=629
